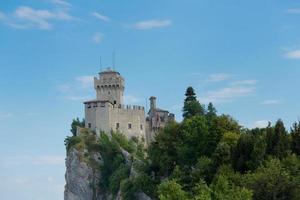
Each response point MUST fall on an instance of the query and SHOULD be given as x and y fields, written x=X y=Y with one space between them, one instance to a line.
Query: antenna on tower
x=100 y=64
x=114 y=60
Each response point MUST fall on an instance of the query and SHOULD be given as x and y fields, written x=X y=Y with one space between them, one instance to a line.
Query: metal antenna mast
x=100 y=64
x=114 y=60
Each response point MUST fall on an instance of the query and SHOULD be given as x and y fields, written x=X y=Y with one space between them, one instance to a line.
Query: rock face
x=81 y=179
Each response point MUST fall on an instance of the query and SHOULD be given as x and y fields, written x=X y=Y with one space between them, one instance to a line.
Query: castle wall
x=104 y=116
x=131 y=120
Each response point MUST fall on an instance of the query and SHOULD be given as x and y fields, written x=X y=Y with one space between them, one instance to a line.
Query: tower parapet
x=110 y=86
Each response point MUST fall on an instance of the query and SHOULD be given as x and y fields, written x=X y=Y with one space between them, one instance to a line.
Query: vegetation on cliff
x=205 y=157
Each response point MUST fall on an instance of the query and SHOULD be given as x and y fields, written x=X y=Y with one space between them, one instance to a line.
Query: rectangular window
x=117 y=125
x=129 y=126
x=89 y=125
x=141 y=126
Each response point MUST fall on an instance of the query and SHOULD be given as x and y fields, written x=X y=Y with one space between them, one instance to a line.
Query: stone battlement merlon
x=96 y=103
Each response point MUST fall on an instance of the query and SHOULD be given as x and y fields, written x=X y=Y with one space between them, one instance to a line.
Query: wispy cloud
x=78 y=98
x=151 y=24
x=62 y=3
x=85 y=81
x=100 y=16
x=77 y=90
x=227 y=94
x=25 y=17
x=244 y=82
x=131 y=99
x=5 y=115
x=261 y=124
x=97 y=38
x=33 y=160
x=293 y=11
x=219 y=77
x=270 y=102
x=293 y=54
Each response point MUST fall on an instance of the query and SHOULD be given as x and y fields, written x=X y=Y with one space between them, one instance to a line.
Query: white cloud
x=64 y=88
x=293 y=11
x=218 y=77
x=261 y=124
x=293 y=54
x=5 y=115
x=85 y=81
x=2 y=16
x=77 y=98
x=244 y=82
x=270 y=102
x=21 y=181
x=98 y=37
x=100 y=16
x=151 y=24
x=25 y=17
x=50 y=179
x=61 y=2
x=33 y=160
x=227 y=94
x=131 y=99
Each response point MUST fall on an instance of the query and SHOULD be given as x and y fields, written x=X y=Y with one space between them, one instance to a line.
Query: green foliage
x=295 y=133
x=121 y=139
x=191 y=107
x=277 y=140
x=171 y=190
x=76 y=122
x=271 y=181
x=71 y=141
x=249 y=152
x=117 y=176
x=224 y=189
x=202 y=191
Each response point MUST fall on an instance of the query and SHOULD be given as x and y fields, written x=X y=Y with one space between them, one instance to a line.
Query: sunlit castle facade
x=108 y=113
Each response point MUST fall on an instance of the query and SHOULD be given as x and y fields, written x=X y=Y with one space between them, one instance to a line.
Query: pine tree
x=295 y=133
x=192 y=107
x=211 y=111
x=277 y=139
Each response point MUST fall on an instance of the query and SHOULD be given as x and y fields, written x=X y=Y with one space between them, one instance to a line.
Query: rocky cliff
x=99 y=168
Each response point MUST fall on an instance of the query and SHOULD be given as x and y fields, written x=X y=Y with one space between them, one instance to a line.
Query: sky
x=244 y=56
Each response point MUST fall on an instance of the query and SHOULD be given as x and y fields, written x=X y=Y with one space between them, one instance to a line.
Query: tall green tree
x=191 y=107
x=76 y=122
x=295 y=133
x=211 y=111
x=171 y=190
x=277 y=140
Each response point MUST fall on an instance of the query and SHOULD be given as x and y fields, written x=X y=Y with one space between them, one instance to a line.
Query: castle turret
x=152 y=103
x=110 y=87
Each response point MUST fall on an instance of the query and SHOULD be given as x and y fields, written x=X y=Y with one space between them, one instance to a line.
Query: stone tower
x=110 y=87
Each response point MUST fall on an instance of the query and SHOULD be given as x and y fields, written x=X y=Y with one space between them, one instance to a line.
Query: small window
x=115 y=102
x=129 y=126
x=89 y=125
x=141 y=126
x=117 y=125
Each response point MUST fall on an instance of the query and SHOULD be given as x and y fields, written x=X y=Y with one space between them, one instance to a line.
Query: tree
x=271 y=181
x=295 y=133
x=171 y=190
x=224 y=189
x=191 y=107
x=211 y=111
x=277 y=140
x=76 y=122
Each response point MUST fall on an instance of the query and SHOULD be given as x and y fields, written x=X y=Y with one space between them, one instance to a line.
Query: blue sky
x=244 y=56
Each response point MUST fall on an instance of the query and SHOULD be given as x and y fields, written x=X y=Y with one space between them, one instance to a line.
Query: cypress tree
x=191 y=107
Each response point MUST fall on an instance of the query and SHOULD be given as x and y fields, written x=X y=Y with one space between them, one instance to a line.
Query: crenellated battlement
x=98 y=103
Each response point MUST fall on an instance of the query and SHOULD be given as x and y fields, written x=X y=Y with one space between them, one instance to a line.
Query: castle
x=108 y=113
